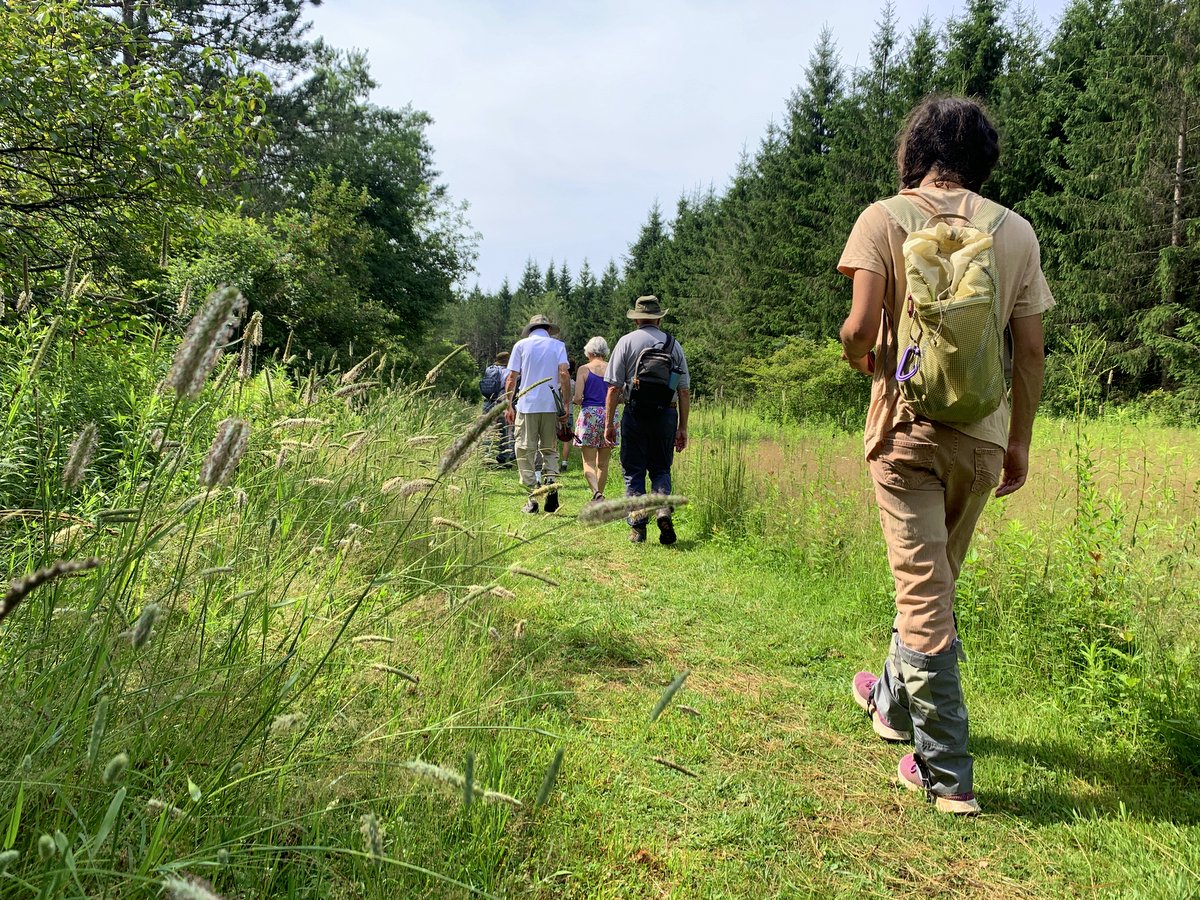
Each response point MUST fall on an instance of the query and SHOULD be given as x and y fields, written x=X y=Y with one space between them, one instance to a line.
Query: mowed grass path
x=792 y=794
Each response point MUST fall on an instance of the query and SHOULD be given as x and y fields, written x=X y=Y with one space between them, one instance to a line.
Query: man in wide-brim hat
x=537 y=356
x=648 y=370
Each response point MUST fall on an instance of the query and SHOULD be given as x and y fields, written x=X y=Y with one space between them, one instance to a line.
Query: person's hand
x=680 y=439
x=610 y=434
x=510 y=415
x=865 y=364
x=1016 y=470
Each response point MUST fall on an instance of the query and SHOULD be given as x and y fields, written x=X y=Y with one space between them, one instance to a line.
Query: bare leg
x=603 y=455
x=589 y=467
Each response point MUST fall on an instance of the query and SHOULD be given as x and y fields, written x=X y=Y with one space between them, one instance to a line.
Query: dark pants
x=503 y=446
x=648 y=449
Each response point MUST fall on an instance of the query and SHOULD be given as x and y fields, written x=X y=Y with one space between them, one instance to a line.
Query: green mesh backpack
x=950 y=340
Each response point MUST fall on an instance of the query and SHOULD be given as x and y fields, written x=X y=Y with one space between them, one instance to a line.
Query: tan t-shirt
x=876 y=243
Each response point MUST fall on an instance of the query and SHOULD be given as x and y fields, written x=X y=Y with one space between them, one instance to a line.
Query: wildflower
x=20 y=588
x=225 y=453
x=373 y=835
x=79 y=456
x=189 y=888
x=352 y=375
x=141 y=631
x=204 y=340
x=114 y=769
x=97 y=735
x=601 y=511
x=459 y=449
x=46 y=847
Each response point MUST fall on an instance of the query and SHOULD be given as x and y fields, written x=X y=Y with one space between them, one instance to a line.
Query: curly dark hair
x=951 y=136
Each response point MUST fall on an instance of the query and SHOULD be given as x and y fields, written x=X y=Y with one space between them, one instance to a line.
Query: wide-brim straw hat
x=647 y=307
x=539 y=321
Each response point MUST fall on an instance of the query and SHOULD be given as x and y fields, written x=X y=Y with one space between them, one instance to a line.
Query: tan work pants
x=931 y=484
x=534 y=432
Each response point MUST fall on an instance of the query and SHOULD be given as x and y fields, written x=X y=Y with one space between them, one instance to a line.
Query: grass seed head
x=457 y=451
x=185 y=300
x=20 y=588
x=353 y=390
x=602 y=511
x=373 y=835
x=46 y=848
x=406 y=488
x=114 y=769
x=398 y=672
x=529 y=573
x=308 y=396
x=156 y=807
x=189 y=888
x=286 y=722
x=226 y=451
x=79 y=456
x=351 y=376
x=204 y=341
x=432 y=375
x=97 y=734
x=7 y=858
x=142 y=629
x=246 y=362
x=441 y=522
x=254 y=330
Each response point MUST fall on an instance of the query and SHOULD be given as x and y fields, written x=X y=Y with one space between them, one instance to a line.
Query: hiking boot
x=666 y=530
x=637 y=533
x=530 y=507
x=954 y=804
x=863 y=687
x=552 y=501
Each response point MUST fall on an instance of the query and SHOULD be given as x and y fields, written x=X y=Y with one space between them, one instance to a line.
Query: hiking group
x=946 y=307
x=646 y=372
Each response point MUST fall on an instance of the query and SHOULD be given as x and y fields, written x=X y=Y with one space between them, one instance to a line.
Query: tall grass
x=229 y=699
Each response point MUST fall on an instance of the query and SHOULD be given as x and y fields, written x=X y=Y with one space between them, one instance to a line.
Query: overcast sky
x=560 y=122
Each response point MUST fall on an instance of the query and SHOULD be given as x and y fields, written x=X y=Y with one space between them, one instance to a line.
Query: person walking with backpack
x=491 y=385
x=939 y=273
x=537 y=357
x=648 y=370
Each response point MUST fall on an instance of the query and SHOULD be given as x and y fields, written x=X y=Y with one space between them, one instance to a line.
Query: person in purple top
x=591 y=390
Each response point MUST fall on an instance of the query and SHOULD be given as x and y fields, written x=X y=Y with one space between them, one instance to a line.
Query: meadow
x=310 y=647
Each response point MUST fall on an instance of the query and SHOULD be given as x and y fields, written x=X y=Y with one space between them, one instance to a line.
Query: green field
x=318 y=631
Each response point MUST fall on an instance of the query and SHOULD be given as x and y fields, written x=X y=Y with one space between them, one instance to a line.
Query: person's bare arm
x=510 y=394
x=611 y=399
x=580 y=379
x=861 y=328
x=681 y=431
x=564 y=383
x=1029 y=366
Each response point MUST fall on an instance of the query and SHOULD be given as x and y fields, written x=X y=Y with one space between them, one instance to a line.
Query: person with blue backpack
x=939 y=275
x=491 y=385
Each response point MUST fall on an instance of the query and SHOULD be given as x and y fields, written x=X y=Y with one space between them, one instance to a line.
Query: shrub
x=807 y=381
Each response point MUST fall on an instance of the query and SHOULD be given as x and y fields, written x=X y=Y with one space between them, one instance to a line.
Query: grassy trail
x=792 y=794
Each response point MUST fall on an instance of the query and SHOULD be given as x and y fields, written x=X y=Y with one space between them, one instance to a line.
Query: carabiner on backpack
x=910 y=361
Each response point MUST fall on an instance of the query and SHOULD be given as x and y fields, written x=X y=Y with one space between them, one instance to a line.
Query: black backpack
x=655 y=377
x=492 y=382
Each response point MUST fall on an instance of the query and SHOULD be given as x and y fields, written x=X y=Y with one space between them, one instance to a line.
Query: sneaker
x=530 y=507
x=666 y=530
x=954 y=804
x=862 y=687
x=551 y=501
x=597 y=497
x=637 y=534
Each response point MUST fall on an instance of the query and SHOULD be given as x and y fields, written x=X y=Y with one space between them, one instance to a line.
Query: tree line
x=151 y=149
x=1097 y=120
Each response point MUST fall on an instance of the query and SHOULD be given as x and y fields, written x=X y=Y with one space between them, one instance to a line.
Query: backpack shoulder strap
x=905 y=213
x=989 y=216
x=669 y=343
